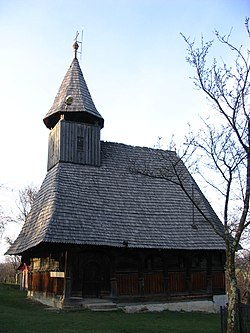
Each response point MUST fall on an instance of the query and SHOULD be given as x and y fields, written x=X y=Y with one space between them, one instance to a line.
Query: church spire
x=73 y=99
x=74 y=122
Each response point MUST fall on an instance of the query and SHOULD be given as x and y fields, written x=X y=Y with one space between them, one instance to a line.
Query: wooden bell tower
x=74 y=121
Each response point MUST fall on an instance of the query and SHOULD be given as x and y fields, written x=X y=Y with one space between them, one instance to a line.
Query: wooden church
x=111 y=221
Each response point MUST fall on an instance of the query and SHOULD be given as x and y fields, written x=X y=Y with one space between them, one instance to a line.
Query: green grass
x=20 y=315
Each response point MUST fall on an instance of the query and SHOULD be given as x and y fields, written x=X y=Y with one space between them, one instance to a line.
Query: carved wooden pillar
x=188 y=282
x=67 y=275
x=140 y=274
x=165 y=276
x=113 y=283
x=209 y=274
x=113 y=279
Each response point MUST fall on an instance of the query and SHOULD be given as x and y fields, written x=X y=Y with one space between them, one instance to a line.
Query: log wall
x=138 y=274
x=42 y=282
x=75 y=143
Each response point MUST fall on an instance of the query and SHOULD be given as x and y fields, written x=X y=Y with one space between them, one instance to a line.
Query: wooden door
x=91 y=280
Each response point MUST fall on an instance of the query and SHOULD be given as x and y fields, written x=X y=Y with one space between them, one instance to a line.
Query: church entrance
x=91 y=280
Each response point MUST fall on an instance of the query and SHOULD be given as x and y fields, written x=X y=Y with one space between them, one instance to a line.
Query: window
x=79 y=143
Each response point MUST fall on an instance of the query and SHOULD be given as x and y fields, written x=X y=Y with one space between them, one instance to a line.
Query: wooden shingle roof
x=81 y=105
x=113 y=203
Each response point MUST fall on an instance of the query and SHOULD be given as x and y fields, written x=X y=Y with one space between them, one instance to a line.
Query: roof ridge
x=139 y=147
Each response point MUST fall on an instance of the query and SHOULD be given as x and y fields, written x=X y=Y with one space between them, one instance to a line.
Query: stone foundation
x=209 y=306
x=200 y=305
x=44 y=298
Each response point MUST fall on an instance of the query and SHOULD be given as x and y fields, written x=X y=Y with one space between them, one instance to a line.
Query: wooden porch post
x=140 y=274
x=209 y=274
x=67 y=276
x=188 y=273
x=165 y=276
x=113 y=280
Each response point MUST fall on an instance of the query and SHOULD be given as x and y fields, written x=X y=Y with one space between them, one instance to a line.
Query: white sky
x=133 y=62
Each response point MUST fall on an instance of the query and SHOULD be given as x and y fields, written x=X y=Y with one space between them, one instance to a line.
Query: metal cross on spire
x=76 y=43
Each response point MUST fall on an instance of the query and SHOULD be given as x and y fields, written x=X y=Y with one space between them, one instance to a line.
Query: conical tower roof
x=73 y=100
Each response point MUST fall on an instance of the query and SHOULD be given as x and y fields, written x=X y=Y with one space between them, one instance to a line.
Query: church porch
x=123 y=275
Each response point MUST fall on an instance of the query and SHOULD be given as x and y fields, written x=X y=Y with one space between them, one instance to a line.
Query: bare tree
x=25 y=199
x=22 y=205
x=2 y=218
x=243 y=275
x=13 y=261
x=2 y=221
x=225 y=143
x=7 y=272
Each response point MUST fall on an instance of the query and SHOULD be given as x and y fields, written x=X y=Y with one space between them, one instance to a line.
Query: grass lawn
x=19 y=315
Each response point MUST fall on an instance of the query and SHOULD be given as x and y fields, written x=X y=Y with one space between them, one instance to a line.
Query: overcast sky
x=133 y=60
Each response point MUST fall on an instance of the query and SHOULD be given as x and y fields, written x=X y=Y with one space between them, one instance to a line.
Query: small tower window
x=80 y=143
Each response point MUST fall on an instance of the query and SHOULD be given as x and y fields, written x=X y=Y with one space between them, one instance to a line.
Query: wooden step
x=93 y=304
x=101 y=306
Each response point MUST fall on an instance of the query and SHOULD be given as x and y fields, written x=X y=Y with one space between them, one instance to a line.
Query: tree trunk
x=232 y=293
